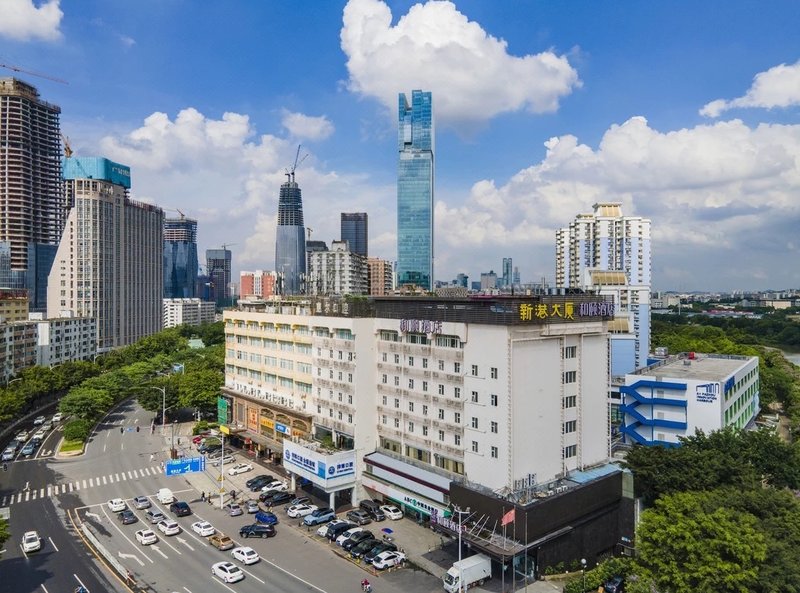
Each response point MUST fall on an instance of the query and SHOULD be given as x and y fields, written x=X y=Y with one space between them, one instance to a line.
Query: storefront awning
x=409 y=471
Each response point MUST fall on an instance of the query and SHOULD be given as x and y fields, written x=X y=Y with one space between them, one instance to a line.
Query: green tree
x=682 y=548
x=86 y=402
x=199 y=389
x=5 y=531
x=77 y=430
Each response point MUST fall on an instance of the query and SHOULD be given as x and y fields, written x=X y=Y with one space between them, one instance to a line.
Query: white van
x=165 y=496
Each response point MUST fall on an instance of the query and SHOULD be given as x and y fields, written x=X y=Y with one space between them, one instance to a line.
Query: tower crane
x=67 y=147
x=290 y=172
x=32 y=73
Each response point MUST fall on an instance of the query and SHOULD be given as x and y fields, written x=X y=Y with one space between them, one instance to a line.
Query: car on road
x=169 y=527
x=240 y=468
x=388 y=559
x=377 y=549
x=301 y=510
x=39 y=420
x=116 y=505
x=275 y=497
x=39 y=435
x=15 y=444
x=57 y=417
x=257 y=530
x=227 y=571
x=141 y=502
x=180 y=509
x=221 y=460
x=127 y=517
x=47 y=426
x=8 y=454
x=355 y=539
x=22 y=436
x=266 y=518
x=203 y=528
x=364 y=546
x=246 y=555
x=345 y=535
x=146 y=537
x=221 y=541
x=358 y=517
x=154 y=516
x=319 y=516
x=31 y=542
x=392 y=512
x=233 y=509
x=28 y=450
x=251 y=506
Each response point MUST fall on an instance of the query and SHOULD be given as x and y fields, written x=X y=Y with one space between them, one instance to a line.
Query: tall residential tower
x=180 y=258
x=218 y=268
x=415 y=175
x=290 y=242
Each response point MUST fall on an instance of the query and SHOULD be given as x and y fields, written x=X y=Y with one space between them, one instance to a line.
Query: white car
x=31 y=542
x=275 y=486
x=203 y=528
x=57 y=417
x=240 y=468
x=22 y=435
x=227 y=571
x=388 y=559
x=220 y=460
x=246 y=555
x=40 y=434
x=301 y=510
x=346 y=535
x=39 y=420
x=169 y=527
x=117 y=505
x=146 y=537
x=392 y=512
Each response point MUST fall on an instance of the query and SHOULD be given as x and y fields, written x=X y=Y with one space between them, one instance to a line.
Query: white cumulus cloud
x=307 y=127
x=436 y=48
x=23 y=20
x=777 y=87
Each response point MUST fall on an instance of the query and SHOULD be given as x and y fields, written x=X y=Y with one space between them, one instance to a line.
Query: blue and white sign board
x=190 y=465
x=324 y=470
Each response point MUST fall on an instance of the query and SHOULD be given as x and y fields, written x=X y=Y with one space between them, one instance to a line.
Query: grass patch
x=68 y=446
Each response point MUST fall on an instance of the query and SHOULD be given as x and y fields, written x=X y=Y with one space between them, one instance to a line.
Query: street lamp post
x=221 y=470
x=583 y=572
x=163 y=391
x=466 y=511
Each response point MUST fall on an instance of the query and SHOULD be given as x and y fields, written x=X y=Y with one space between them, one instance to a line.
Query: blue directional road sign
x=191 y=465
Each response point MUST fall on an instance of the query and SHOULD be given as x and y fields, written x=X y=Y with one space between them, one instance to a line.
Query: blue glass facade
x=180 y=258
x=40 y=260
x=290 y=239
x=355 y=231
x=415 y=175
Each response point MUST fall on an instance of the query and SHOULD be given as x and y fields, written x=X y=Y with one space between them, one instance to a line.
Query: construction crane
x=290 y=172
x=309 y=230
x=173 y=209
x=32 y=73
x=67 y=147
x=226 y=245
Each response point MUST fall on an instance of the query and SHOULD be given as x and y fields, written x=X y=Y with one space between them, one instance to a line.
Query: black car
x=377 y=549
x=209 y=447
x=615 y=585
x=300 y=500
x=363 y=547
x=337 y=530
x=180 y=509
x=127 y=517
x=260 y=483
x=356 y=539
x=358 y=517
x=257 y=530
x=257 y=478
x=276 y=498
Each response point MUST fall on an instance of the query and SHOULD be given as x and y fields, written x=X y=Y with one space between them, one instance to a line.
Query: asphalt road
x=122 y=463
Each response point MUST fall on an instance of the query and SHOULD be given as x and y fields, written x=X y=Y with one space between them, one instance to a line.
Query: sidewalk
x=423 y=547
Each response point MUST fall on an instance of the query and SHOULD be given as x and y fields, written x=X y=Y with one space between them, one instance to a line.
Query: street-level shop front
x=330 y=472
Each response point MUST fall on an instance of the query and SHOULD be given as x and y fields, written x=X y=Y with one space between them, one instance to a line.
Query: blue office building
x=415 y=190
x=355 y=230
x=290 y=242
x=180 y=258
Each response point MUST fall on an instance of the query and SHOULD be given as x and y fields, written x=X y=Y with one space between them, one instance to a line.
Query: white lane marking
x=135 y=546
x=45 y=588
x=254 y=576
x=134 y=556
x=187 y=590
x=52 y=543
x=184 y=542
x=41 y=492
x=136 y=474
x=104 y=447
x=19 y=497
x=49 y=491
x=155 y=547
x=122 y=444
x=27 y=485
x=27 y=496
x=104 y=480
x=64 y=488
x=116 y=477
x=80 y=582
x=130 y=475
x=91 y=482
x=291 y=574
x=95 y=515
x=221 y=582
x=84 y=483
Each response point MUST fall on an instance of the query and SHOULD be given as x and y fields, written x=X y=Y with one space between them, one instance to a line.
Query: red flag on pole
x=507 y=518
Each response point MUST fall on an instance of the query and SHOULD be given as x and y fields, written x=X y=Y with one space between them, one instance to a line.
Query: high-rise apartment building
x=508 y=278
x=218 y=267
x=32 y=202
x=415 y=183
x=259 y=284
x=180 y=257
x=355 y=230
x=290 y=240
x=109 y=263
x=337 y=272
x=381 y=276
x=188 y=312
x=607 y=241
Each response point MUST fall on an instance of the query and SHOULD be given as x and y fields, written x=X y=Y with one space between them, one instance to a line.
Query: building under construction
x=32 y=202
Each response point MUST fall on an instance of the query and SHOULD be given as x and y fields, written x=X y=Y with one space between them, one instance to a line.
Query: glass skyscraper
x=180 y=258
x=290 y=241
x=415 y=190
x=218 y=266
x=355 y=231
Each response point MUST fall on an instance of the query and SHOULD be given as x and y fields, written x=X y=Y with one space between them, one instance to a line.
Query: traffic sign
x=189 y=465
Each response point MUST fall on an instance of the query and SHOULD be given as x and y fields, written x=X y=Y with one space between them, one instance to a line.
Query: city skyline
x=685 y=113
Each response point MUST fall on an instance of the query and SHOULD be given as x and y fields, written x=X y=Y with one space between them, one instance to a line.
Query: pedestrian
x=203 y=496
x=152 y=456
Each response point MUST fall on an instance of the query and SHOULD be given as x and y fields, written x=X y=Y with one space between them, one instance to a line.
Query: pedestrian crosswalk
x=51 y=490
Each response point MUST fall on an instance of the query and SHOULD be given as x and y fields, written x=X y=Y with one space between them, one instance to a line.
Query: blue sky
x=687 y=112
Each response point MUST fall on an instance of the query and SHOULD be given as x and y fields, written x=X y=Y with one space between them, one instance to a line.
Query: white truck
x=165 y=496
x=474 y=570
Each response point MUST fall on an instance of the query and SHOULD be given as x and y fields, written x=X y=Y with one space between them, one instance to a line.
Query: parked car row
x=27 y=442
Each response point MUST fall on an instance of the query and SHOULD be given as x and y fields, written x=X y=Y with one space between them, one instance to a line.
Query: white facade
x=65 y=338
x=337 y=272
x=689 y=392
x=505 y=405
x=188 y=312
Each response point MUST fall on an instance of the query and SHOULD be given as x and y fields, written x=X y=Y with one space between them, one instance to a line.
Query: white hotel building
x=507 y=393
